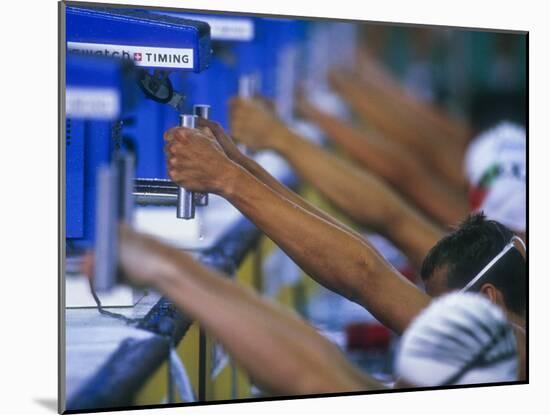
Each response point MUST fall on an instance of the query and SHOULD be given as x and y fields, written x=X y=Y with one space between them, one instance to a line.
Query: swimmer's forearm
x=326 y=252
x=333 y=257
x=263 y=175
x=362 y=196
x=442 y=159
x=377 y=79
x=280 y=352
x=397 y=166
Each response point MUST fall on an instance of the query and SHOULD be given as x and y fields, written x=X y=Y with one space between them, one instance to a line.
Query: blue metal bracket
x=149 y=40
x=97 y=91
x=97 y=37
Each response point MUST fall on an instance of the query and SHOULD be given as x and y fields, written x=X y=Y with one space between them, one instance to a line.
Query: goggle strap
x=480 y=274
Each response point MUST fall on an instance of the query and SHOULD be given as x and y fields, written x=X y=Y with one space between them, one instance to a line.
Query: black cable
x=101 y=310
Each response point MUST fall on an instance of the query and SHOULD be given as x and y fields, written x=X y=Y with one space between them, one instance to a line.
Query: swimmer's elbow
x=369 y=271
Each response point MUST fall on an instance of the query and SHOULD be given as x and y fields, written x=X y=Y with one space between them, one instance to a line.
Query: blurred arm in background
x=337 y=259
x=441 y=154
x=231 y=150
x=262 y=175
x=393 y=163
x=361 y=196
x=282 y=353
x=373 y=76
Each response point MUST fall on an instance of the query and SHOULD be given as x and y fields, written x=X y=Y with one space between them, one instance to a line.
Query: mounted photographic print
x=261 y=207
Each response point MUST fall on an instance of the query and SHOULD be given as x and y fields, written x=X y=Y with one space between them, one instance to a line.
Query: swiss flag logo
x=137 y=56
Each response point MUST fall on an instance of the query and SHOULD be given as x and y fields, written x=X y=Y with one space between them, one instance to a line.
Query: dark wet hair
x=469 y=248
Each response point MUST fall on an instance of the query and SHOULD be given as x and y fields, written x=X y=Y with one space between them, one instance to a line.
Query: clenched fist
x=195 y=160
x=304 y=108
x=216 y=131
x=255 y=124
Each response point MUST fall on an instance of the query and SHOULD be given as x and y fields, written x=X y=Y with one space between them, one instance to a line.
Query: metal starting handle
x=202 y=111
x=114 y=204
x=247 y=90
x=185 y=202
x=247 y=86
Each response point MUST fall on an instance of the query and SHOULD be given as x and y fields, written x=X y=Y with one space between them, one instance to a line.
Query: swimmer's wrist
x=234 y=175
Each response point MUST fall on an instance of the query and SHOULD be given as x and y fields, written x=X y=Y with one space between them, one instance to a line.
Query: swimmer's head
x=461 y=338
x=462 y=254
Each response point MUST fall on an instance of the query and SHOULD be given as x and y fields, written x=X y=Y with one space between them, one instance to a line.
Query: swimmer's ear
x=493 y=294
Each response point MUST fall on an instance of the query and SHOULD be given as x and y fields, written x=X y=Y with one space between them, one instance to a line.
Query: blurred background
x=467 y=72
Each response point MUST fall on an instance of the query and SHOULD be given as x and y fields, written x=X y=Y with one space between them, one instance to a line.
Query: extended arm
x=375 y=77
x=360 y=195
x=280 y=351
x=335 y=258
x=256 y=170
x=393 y=163
x=442 y=155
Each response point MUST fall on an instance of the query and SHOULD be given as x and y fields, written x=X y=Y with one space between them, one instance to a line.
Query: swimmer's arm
x=440 y=155
x=335 y=256
x=376 y=78
x=362 y=196
x=256 y=170
x=344 y=263
x=280 y=351
x=341 y=261
x=394 y=164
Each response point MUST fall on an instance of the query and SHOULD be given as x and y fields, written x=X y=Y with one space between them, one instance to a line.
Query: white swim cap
x=461 y=338
x=506 y=203
x=504 y=144
x=496 y=163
